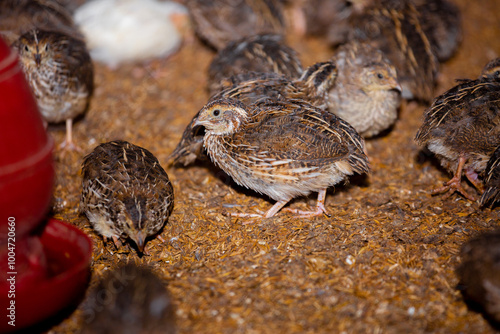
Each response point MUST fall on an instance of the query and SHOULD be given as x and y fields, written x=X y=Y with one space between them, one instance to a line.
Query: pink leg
x=454 y=184
x=473 y=178
x=269 y=213
x=68 y=142
x=320 y=207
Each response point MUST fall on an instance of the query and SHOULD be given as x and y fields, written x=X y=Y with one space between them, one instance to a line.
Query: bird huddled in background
x=61 y=74
x=462 y=128
x=129 y=299
x=312 y=86
x=219 y=22
x=366 y=92
x=479 y=273
x=281 y=148
x=260 y=53
x=126 y=193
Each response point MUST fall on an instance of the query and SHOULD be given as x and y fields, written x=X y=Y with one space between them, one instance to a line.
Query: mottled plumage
x=17 y=17
x=394 y=26
x=218 y=22
x=282 y=149
x=366 y=93
x=259 y=53
x=491 y=193
x=248 y=88
x=60 y=72
x=462 y=128
x=129 y=299
x=126 y=193
x=479 y=273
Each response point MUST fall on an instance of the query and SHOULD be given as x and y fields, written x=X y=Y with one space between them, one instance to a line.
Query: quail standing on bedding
x=282 y=149
x=479 y=273
x=366 y=93
x=129 y=299
x=126 y=193
x=260 y=53
x=218 y=22
x=61 y=75
x=462 y=128
x=312 y=87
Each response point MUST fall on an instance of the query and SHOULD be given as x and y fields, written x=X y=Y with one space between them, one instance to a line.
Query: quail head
x=129 y=299
x=126 y=193
x=479 y=273
x=248 y=88
x=61 y=75
x=17 y=17
x=259 y=53
x=394 y=27
x=366 y=92
x=218 y=22
x=462 y=128
x=282 y=149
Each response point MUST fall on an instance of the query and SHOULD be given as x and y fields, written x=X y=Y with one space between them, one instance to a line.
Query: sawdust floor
x=383 y=263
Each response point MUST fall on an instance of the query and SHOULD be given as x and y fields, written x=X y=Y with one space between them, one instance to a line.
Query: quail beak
x=200 y=121
x=140 y=238
x=38 y=59
x=394 y=84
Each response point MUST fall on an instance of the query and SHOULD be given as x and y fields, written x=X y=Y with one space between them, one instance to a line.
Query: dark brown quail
x=61 y=74
x=282 y=149
x=491 y=193
x=218 y=22
x=129 y=299
x=394 y=26
x=126 y=193
x=442 y=24
x=479 y=273
x=462 y=128
x=252 y=87
x=366 y=93
x=259 y=53
x=17 y=17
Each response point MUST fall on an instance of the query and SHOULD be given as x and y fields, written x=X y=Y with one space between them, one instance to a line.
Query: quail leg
x=454 y=184
x=320 y=207
x=68 y=142
x=269 y=213
x=473 y=178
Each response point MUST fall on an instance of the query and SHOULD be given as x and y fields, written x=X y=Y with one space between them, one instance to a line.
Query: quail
x=462 y=128
x=126 y=193
x=218 y=22
x=61 y=75
x=17 y=17
x=491 y=193
x=129 y=299
x=260 y=53
x=395 y=27
x=479 y=273
x=251 y=87
x=366 y=93
x=282 y=149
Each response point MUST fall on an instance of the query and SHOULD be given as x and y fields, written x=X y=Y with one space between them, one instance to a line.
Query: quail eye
x=216 y=112
x=497 y=74
x=26 y=48
x=380 y=75
x=46 y=48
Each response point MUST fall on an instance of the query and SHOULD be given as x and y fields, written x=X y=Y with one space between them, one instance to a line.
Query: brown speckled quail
x=218 y=22
x=252 y=87
x=282 y=149
x=259 y=53
x=479 y=273
x=491 y=194
x=366 y=93
x=129 y=299
x=61 y=74
x=126 y=193
x=394 y=26
x=462 y=128
x=17 y=17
